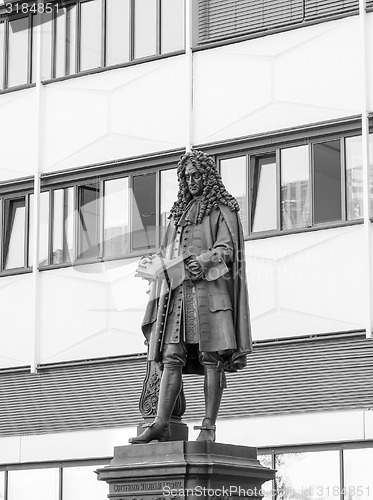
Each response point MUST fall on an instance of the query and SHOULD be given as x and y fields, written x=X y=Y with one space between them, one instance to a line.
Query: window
x=243 y=17
x=2 y=54
x=117 y=31
x=144 y=212
x=358 y=480
x=2 y=485
x=17 y=59
x=308 y=473
x=81 y=482
x=145 y=28
x=264 y=203
x=354 y=177
x=172 y=29
x=90 y=34
x=27 y=484
x=106 y=33
x=63 y=225
x=109 y=217
x=314 y=474
x=116 y=218
x=44 y=228
x=234 y=175
x=292 y=188
x=327 y=182
x=89 y=221
x=169 y=190
x=295 y=188
x=14 y=233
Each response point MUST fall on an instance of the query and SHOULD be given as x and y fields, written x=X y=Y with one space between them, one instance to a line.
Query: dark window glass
x=2 y=48
x=63 y=225
x=14 y=233
x=145 y=28
x=169 y=190
x=295 y=188
x=118 y=31
x=90 y=35
x=327 y=182
x=116 y=218
x=18 y=50
x=89 y=221
x=264 y=194
x=172 y=29
x=144 y=212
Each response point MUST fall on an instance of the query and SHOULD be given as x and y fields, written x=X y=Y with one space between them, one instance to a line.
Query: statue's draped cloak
x=221 y=297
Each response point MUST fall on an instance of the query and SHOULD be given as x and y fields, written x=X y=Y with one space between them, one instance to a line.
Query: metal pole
x=189 y=71
x=366 y=177
x=36 y=218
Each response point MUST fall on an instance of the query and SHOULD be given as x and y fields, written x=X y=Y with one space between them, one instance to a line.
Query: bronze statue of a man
x=197 y=318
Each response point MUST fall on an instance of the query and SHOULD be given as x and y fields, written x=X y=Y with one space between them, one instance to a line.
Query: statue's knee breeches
x=211 y=359
x=174 y=356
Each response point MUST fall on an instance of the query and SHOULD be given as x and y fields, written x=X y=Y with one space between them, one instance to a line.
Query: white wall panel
x=115 y=114
x=16 y=297
x=306 y=283
x=18 y=128
x=279 y=81
x=92 y=311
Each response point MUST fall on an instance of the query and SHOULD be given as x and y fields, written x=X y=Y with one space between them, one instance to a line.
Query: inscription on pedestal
x=144 y=490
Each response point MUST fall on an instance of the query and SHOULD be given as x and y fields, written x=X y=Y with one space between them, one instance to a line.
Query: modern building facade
x=98 y=100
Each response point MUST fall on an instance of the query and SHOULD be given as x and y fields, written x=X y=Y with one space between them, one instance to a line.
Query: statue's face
x=194 y=180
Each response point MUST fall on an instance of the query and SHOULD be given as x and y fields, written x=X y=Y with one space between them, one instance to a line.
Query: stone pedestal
x=184 y=470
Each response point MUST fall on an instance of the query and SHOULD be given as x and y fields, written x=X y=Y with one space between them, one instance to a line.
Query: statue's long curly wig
x=214 y=191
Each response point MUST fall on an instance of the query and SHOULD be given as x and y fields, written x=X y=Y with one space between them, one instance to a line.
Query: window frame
x=274 y=147
x=6 y=19
x=102 y=176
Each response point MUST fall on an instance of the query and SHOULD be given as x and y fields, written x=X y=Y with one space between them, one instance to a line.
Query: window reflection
x=90 y=34
x=233 y=172
x=172 y=30
x=264 y=194
x=358 y=478
x=169 y=190
x=14 y=237
x=116 y=218
x=327 y=181
x=44 y=229
x=145 y=28
x=267 y=488
x=18 y=52
x=354 y=177
x=63 y=225
x=89 y=221
x=117 y=31
x=307 y=476
x=33 y=484
x=81 y=482
x=295 y=188
x=144 y=212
